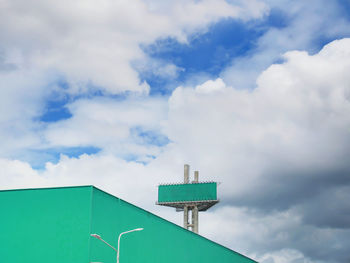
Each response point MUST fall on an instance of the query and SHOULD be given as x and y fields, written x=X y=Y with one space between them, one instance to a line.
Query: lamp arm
x=108 y=244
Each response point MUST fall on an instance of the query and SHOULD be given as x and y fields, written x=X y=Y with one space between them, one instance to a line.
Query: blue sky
x=205 y=55
x=209 y=52
x=254 y=93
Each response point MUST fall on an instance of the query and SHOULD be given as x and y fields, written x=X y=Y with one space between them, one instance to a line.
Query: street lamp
x=117 y=250
x=99 y=237
x=126 y=232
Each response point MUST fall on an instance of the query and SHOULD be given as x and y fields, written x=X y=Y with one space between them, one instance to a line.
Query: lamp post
x=120 y=235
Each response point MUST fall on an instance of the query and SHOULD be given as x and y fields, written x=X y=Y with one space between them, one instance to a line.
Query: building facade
x=53 y=225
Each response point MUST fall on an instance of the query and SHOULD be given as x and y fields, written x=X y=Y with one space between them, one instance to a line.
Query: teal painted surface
x=54 y=225
x=45 y=225
x=187 y=192
x=160 y=241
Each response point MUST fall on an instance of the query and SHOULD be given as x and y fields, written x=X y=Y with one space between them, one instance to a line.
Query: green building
x=54 y=225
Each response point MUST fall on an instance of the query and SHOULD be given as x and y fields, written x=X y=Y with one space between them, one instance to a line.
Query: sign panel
x=187 y=192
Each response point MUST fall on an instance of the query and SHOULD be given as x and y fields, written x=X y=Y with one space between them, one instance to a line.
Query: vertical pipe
x=186 y=181
x=186 y=174
x=196 y=176
x=186 y=217
x=195 y=219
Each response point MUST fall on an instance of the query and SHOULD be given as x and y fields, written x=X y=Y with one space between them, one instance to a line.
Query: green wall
x=45 y=225
x=160 y=241
x=187 y=192
x=53 y=225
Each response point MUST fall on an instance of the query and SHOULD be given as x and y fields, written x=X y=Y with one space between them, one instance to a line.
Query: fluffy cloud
x=130 y=181
x=280 y=149
x=97 y=43
x=17 y=174
x=278 y=236
x=280 y=152
x=300 y=25
x=95 y=47
x=298 y=116
x=130 y=127
x=21 y=101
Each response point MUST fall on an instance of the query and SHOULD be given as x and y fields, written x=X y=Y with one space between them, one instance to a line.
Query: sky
x=254 y=94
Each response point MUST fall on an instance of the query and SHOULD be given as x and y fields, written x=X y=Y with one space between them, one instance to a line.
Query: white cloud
x=299 y=114
x=21 y=97
x=16 y=174
x=133 y=182
x=275 y=148
x=92 y=46
x=96 y=43
x=111 y=125
x=285 y=256
x=306 y=25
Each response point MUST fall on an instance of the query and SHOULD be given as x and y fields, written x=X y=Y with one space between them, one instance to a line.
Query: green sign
x=187 y=192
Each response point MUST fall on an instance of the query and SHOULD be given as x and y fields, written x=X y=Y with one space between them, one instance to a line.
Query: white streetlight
x=117 y=250
x=126 y=232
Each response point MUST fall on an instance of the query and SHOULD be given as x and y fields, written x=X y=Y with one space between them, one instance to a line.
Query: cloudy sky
x=253 y=94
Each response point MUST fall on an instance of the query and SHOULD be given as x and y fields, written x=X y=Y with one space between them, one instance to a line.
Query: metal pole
x=119 y=247
x=186 y=173
x=195 y=208
x=99 y=237
x=186 y=181
x=186 y=216
x=196 y=176
x=120 y=235
x=195 y=219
